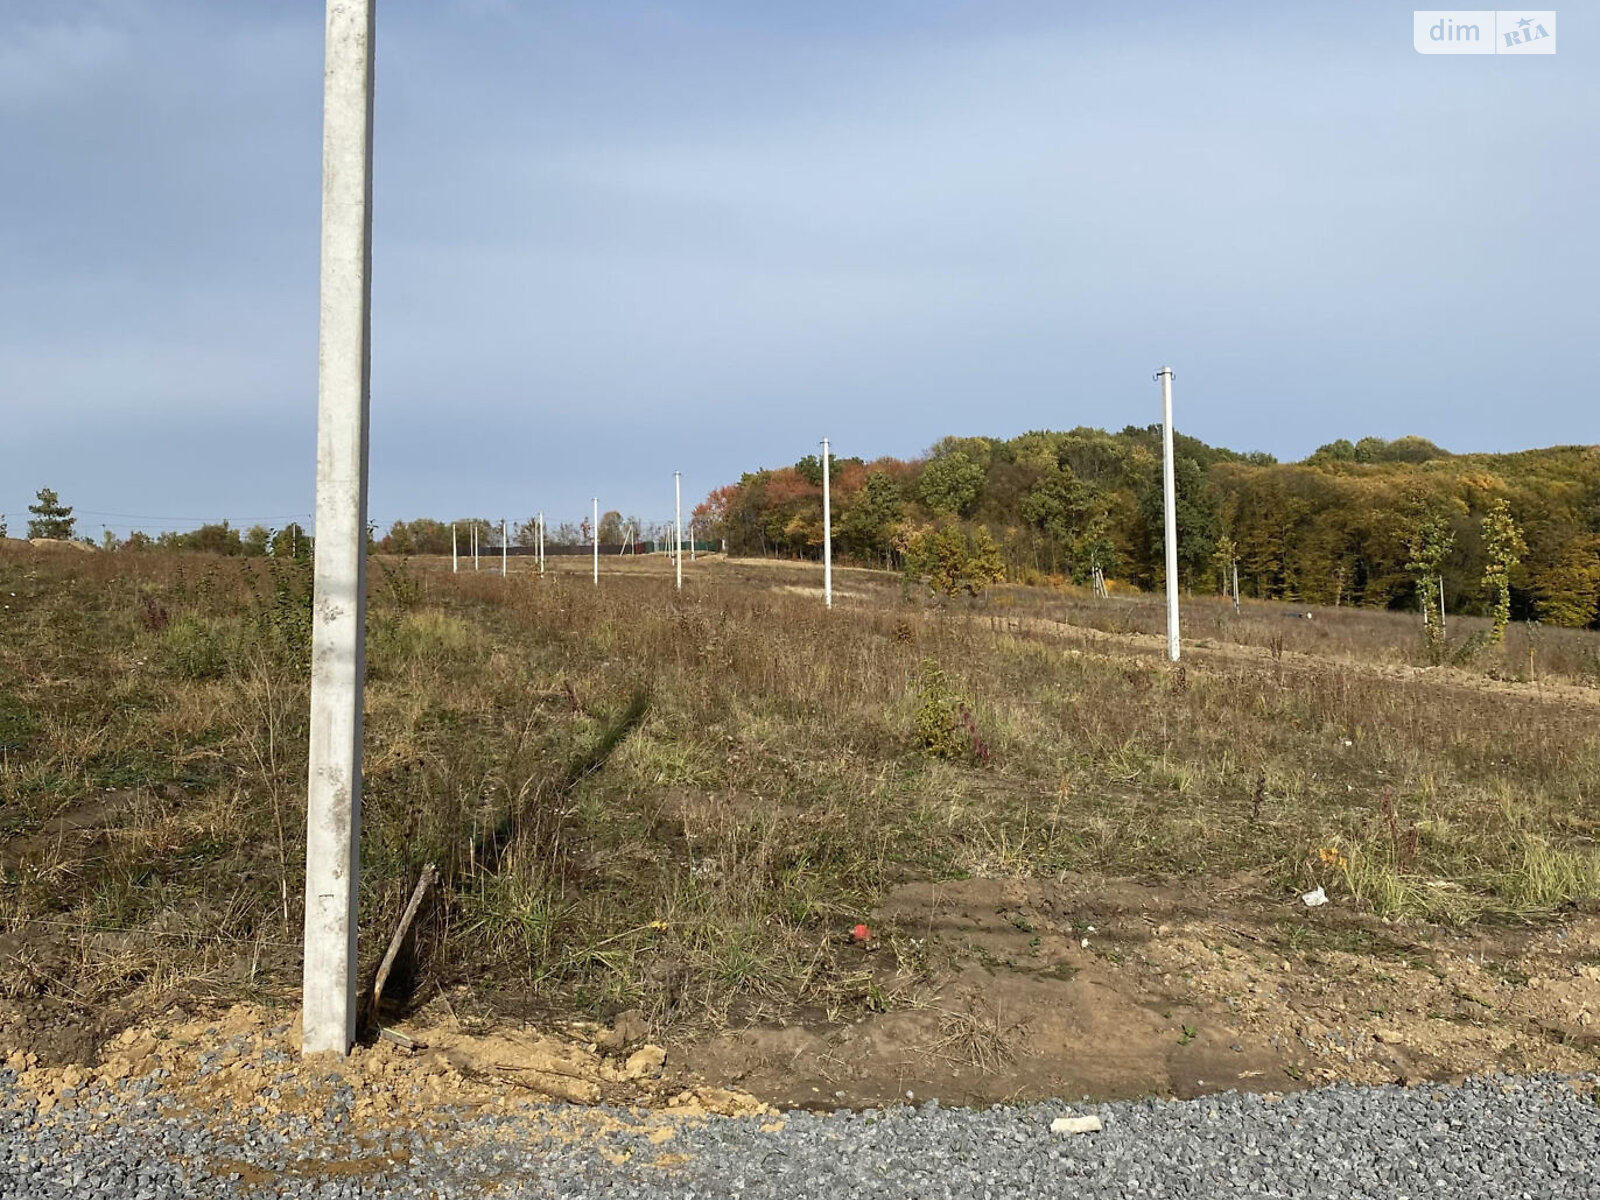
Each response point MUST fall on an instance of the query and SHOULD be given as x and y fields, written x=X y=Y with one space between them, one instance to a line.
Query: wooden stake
x=429 y=874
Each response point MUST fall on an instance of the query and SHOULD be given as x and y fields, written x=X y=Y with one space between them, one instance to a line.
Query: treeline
x=426 y=535
x=1342 y=527
x=222 y=538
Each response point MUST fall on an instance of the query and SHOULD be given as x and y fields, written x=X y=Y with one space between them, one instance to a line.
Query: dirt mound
x=58 y=544
x=1015 y=990
x=248 y=1057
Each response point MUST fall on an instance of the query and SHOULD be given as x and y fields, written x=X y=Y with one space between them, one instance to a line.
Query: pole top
x=1167 y=371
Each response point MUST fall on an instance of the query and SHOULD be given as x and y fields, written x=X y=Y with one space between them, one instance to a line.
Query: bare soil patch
x=1024 y=990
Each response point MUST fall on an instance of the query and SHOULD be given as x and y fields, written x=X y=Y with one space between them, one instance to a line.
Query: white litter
x=1313 y=899
x=1075 y=1125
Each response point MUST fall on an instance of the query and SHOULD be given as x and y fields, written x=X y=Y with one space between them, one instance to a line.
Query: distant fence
x=552 y=550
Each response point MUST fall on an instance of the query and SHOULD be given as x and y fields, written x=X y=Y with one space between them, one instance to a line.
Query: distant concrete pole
x=827 y=531
x=475 y=544
x=541 y=543
x=691 y=539
x=677 y=528
x=1170 y=501
x=503 y=550
x=338 y=651
x=596 y=535
x=455 y=564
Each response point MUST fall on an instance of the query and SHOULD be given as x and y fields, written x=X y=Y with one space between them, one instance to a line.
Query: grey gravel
x=1499 y=1137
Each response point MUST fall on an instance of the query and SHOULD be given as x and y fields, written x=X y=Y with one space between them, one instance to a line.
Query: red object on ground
x=860 y=933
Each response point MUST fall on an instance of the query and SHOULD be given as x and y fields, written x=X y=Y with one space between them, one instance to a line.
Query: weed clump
x=945 y=726
x=425 y=636
x=284 y=616
x=197 y=648
x=17 y=723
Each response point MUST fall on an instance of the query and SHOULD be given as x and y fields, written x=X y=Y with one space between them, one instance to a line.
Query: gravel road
x=1502 y=1138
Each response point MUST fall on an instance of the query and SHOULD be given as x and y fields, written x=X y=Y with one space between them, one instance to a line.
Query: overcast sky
x=613 y=239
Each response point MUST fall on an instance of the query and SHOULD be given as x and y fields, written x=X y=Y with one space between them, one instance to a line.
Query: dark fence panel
x=552 y=550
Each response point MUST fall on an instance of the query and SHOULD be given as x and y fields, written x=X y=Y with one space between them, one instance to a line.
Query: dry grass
x=682 y=802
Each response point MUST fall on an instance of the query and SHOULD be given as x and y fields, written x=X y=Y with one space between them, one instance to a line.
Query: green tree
x=1503 y=548
x=256 y=540
x=1428 y=546
x=1226 y=554
x=422 y=536
x=1198 y=522
x=216 y=538
x=867 y=524
x=291 y=542
x=953 y=479
x=398 y=540
x=51 y=519
x=1567 y=591
x=1339 y=450
x=1054 y=505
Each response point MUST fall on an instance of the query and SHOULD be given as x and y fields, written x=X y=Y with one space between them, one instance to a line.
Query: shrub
x=284 y=618
x=952 y=560
x=945 y=726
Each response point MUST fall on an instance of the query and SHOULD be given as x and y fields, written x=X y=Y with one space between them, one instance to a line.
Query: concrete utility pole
x=454 y=557
x=677 y=527
x=541 y=543
x=503 y=550
x=475 y=566
x=691 y=539
x=1170 y=502
x=338 y=651
x=596 y=534
x=827 y=530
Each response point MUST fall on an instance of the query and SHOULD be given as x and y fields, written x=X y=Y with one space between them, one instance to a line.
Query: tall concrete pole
x=541 y=543
x=827 y=530
x=1170 y=510
x=596 y=532
x=677 y=527
x=455 y=564
x=338 y=652
x=503 y=550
